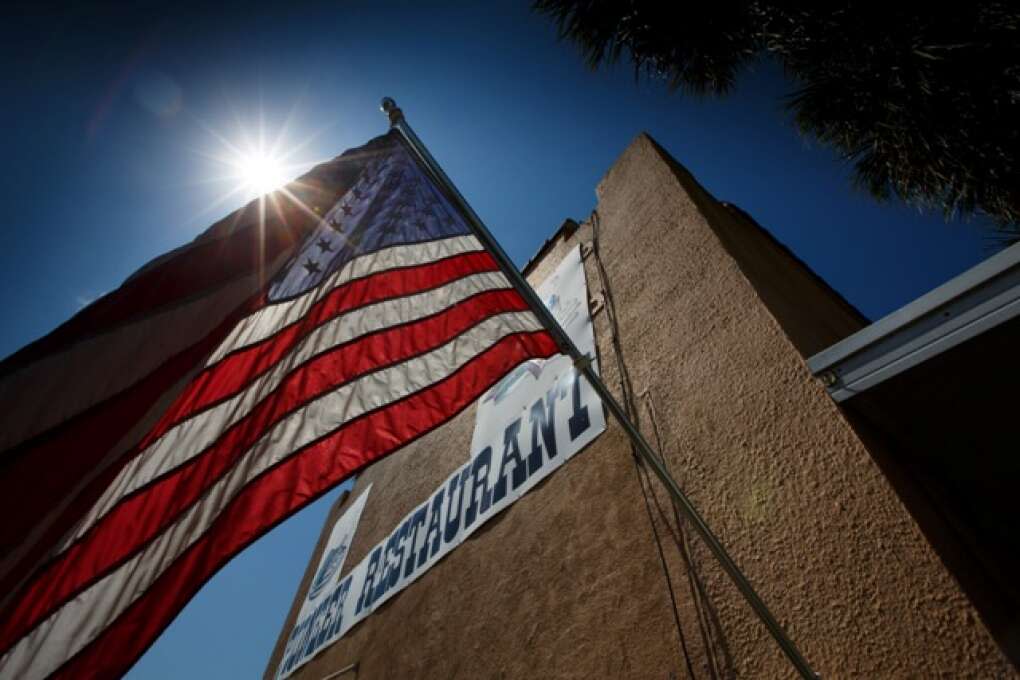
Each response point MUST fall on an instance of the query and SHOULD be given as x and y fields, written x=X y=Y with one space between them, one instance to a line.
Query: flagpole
x=583 y=364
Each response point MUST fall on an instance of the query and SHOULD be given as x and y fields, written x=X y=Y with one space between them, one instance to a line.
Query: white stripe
x=188 y=439
x=82 y=619
x=272 y=318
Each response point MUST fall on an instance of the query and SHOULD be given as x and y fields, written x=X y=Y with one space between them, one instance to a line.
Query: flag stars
x=347 y=209
x=312 y=266
x=324 y=245
x=428 y=198
x=444 y=218
x=394 y=180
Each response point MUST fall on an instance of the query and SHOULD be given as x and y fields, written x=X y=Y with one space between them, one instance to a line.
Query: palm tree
x=923 y=98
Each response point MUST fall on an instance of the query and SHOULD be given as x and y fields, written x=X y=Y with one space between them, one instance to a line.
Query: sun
x=257 y=162
x=260 y=172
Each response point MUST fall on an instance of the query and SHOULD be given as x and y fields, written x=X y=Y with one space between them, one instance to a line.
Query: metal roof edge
x=568 y=227
x=978 y=299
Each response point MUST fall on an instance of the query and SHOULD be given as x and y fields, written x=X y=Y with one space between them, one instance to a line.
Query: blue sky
x=112 y=115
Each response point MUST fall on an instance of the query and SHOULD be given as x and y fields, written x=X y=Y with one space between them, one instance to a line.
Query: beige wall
x=567 y=582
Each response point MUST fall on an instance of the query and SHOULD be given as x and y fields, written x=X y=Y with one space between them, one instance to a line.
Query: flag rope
x=583 y=365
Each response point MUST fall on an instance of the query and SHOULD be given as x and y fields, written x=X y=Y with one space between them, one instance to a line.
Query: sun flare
x=258 y=162
x=260 y=172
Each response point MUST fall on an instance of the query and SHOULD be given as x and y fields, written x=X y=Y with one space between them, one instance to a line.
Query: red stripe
x=285 y=489
x=140 y=517
x=50 y=467
x=236 y=370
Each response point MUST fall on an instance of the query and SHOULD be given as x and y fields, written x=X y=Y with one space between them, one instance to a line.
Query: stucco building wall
x=713 y=319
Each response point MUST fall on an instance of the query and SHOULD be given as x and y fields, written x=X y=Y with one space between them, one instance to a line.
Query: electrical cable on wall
x=705 y=614
x=632 y=413
x=707 y=619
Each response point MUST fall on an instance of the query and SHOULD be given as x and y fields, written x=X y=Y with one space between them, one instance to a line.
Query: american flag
x=384 y=319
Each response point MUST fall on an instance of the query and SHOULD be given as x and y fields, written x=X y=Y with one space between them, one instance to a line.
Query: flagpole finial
x=390 y=108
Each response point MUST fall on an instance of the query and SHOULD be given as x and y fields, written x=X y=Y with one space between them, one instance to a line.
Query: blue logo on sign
x=532 y=367
x=330 y=565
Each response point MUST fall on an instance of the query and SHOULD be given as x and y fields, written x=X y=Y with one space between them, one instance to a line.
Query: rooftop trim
x=568 y=227
x=976 y=301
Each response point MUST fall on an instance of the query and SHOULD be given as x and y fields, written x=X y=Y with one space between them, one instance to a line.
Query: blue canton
x=392 y=203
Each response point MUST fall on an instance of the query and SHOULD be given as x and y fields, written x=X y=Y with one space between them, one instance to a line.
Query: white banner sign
x=527 y=426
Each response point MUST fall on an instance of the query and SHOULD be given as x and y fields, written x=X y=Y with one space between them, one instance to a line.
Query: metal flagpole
x=582 y=363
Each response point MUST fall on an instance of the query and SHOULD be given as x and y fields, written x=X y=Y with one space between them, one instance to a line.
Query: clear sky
x=113 y=118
